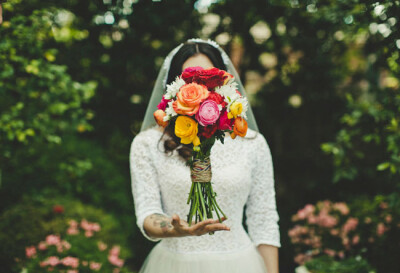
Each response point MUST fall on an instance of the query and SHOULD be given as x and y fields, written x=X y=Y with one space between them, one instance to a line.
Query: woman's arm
x=270 y=256
x=161 y=226
x=261 y=214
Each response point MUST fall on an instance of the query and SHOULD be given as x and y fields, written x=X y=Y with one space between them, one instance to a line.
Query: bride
x=242 y=178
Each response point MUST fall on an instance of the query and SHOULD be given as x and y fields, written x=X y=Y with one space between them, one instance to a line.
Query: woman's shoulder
x=253 y=136
x=256 y=140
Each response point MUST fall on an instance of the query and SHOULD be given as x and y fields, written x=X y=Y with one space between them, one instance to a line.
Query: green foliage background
x=76 y=75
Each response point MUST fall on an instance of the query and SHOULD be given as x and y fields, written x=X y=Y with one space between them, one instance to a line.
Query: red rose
x=163 y=104
x=190 y=72
x=211 y=77
x=217 y=98
x=58 y=209
x=208 y=131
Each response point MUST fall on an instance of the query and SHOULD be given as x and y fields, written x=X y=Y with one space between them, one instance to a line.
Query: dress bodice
x=242 y=177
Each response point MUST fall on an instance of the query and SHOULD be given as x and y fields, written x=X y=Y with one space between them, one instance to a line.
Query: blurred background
x=76 y=76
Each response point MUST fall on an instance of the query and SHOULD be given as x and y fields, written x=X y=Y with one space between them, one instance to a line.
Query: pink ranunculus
x=70 y=261
x=95 y=266
x=30 y=251
x=88 y=233
x=52 y=239
x=208 y=113
x=163 y=104
x=72 y=271
x=224 y=122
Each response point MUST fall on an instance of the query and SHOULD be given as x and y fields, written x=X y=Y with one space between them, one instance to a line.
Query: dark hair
x=189 y=49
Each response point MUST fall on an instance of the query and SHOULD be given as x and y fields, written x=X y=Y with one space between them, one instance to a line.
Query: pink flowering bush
x=339 y=230
x=61 y=234
x=78 y=249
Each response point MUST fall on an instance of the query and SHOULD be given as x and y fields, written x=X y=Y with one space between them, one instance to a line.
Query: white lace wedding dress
x=242 y=177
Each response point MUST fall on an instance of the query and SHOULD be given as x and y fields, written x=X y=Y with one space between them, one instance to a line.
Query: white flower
x=228 y=90
x=174 y=87
x=231 y=99
x=245 y=105
x=169 y=111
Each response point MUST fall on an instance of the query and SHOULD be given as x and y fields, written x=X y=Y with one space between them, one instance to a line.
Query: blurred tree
x=40 y=102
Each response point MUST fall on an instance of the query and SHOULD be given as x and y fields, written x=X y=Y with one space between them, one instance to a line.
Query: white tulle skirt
x=163 y=260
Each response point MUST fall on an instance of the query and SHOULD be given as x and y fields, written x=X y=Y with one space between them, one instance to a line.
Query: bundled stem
x=202 y=198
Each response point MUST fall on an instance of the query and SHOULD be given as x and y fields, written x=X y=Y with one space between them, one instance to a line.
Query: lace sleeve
x=145 y=187
x=261 y=213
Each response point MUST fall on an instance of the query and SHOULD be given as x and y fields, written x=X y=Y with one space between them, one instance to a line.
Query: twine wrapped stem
x=202 y=197
x=201 y=170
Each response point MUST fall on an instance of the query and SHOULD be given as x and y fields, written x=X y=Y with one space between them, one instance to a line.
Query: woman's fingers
x=216 y=227
x=206 y=226
x=199 y=228
x=176 y=222
x=222 y=219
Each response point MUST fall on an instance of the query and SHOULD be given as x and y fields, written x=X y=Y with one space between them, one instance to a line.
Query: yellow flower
x=186 y=129
x=235 y=110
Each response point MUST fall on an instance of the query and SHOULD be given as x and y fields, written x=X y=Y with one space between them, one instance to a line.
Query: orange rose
x=159 y=117
x=239 y=127
x=189 y=98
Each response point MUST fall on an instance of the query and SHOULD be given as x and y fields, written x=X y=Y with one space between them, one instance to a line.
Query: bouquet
x=202 y=105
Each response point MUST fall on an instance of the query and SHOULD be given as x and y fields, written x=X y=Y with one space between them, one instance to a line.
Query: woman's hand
x=182 y=228
x=161 y=226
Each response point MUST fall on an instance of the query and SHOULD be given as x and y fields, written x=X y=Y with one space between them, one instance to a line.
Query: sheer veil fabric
x=160 y=86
